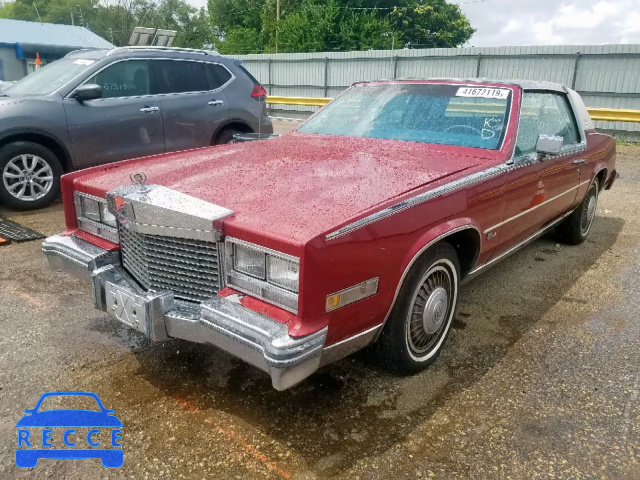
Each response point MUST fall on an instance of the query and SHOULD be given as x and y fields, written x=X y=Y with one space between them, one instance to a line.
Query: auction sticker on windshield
x=501 y=93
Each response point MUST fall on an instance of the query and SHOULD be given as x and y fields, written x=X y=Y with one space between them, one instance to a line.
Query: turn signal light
x=352 y=294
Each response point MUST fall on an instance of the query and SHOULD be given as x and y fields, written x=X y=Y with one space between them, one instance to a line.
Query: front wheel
x=29 y=175
x=420 y=321
x=575 y=229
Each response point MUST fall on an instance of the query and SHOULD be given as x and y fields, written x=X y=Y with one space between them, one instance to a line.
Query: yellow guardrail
x=614 y=115
x=305 y=101
x=607 y=114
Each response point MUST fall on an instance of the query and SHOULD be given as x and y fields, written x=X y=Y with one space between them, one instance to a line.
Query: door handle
x=214 y=103
x=149 y=110
x=580 y=161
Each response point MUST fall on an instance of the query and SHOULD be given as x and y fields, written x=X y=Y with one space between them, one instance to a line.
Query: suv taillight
x=259 y=91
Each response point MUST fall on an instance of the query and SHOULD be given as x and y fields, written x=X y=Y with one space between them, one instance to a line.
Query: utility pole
x=73 y=23
x=277 y=22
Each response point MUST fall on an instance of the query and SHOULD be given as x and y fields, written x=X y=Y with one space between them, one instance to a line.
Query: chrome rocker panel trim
x=222 y=322
x=494 y=261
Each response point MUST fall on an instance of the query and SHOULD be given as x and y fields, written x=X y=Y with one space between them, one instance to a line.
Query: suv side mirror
x=88 y=92
x=549 y=144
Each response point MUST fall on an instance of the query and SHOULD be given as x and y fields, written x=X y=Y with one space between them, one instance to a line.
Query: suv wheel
x=226 y=136
x=29 y=175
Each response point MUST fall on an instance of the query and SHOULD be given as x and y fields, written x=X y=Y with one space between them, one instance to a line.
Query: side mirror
x=88 y=92
x=549 y=144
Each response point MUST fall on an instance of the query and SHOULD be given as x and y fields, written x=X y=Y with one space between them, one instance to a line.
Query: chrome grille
x=188 y=268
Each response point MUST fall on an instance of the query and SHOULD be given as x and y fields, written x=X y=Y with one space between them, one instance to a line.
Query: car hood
x=295 y=187
x=69 y=418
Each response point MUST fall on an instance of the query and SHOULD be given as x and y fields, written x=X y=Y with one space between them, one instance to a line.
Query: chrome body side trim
x=417 y=255
x=71 y=254
x=419 y=199
x=158 y=210
x=476 y=271
x=521 y=214
x=222 y=322
x=349 y=345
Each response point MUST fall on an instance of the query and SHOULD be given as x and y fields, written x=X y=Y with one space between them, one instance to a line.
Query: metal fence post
x=326 y=77
x=576 y=67
x=269 y=75
x=478 y=65
x=395 y=67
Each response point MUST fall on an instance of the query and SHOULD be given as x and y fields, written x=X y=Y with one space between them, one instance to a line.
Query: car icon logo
x=69 y=433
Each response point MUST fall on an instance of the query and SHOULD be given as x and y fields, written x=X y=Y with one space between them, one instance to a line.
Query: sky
x=552 y=22
x=547 y=22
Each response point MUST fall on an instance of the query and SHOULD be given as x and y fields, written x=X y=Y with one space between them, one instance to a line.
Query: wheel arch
x=237 y=124
x=601 y=173
x=463 y=235
x=42 y=138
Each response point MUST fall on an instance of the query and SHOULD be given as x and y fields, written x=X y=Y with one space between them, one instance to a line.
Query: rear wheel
x=575 y=229
x=29 y=175
x=420 y=321
x=226 y=136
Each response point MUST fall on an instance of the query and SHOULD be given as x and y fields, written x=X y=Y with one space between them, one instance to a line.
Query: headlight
x=106 y=216
x=283 y=273
x=249 y=260
x=94 y=217
x=263 y=273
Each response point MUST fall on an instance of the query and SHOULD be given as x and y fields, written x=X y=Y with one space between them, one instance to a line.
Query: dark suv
x=100 y=106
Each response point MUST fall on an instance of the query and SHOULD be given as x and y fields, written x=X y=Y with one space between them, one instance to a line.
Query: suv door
x=192 y=101
x=124 y=123
x=540 y=189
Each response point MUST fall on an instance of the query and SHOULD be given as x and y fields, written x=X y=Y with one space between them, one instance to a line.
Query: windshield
x=50 y=77
x=460 y=115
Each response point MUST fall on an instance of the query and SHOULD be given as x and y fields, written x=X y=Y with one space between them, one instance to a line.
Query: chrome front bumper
x=223 y=322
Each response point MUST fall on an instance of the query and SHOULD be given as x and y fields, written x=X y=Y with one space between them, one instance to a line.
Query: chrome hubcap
x=591 y=208
x=434 y=310
x=589 y=211
x=430 y=309
x=27 y=177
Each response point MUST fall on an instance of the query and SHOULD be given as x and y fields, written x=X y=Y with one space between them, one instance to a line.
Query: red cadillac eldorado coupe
x=358 y=228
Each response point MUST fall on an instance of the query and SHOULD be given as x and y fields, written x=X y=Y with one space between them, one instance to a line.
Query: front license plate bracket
x=126 y=306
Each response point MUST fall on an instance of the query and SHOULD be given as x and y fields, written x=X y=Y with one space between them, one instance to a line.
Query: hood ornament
x=139 y=179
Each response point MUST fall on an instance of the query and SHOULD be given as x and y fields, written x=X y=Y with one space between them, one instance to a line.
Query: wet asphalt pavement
x=540 y=377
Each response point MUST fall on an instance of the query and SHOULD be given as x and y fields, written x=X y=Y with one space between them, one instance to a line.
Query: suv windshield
x=50 y=77
x=460 y=115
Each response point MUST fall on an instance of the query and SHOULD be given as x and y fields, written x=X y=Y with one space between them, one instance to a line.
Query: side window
x=218 y=75
x=545 y=114
x=124 y=79
x=179 y=77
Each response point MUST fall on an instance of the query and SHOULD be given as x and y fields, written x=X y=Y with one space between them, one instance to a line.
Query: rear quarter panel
x=600 y=154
